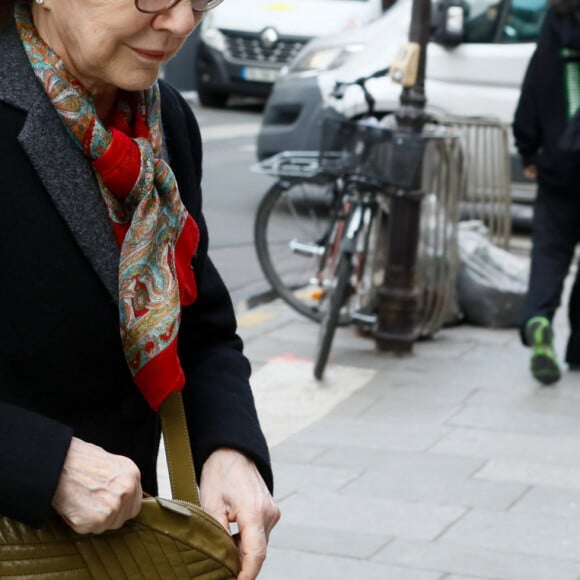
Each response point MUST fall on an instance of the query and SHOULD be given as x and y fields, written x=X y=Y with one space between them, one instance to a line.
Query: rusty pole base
x=394 y=344
x=396 y=328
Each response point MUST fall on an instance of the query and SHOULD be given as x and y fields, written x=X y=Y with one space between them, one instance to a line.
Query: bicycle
x=320 y=230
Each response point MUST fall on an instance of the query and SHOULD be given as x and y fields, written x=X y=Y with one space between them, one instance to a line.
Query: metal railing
x=465 y=176
x=487 y=188
x=437 y=252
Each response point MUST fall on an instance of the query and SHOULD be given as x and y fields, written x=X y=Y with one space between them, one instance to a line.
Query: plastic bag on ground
x=491 y=283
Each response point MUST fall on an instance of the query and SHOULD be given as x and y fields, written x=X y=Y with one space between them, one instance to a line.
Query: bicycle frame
x=357 y=212
x=333 y=231
x=349 y=254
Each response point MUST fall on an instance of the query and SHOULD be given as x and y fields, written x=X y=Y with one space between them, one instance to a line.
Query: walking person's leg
x=554 y=237
x=573 y=348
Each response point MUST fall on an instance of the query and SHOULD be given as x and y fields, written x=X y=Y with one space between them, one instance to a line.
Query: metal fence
x=486 y=191
x=438 y=258
x=466 y=175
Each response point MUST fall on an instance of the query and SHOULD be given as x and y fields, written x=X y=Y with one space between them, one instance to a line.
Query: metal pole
x=397 y=327
x=411 y=114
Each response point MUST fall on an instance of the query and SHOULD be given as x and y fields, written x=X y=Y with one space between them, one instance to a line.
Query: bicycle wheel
x=337 y=297
x=293 y=222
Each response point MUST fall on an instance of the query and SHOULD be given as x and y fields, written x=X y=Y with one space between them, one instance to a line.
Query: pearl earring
x=40 y=1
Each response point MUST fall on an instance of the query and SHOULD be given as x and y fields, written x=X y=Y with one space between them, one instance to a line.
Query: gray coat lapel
x=63 y=169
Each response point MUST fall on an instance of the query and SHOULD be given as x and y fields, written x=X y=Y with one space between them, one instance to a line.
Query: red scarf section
x=119 y=167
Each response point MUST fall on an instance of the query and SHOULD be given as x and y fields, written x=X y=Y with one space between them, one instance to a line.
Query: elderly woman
x=109 y=300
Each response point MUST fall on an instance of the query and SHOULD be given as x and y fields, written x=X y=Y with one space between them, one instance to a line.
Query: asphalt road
x=232 y=193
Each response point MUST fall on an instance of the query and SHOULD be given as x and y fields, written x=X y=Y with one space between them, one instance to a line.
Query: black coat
x=62 y=369
x=541 y=116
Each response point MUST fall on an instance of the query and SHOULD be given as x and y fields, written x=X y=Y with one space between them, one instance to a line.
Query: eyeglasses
x=157 y=6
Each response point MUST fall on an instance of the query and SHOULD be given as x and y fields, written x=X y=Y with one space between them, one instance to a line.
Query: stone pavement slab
x=288 y=378
x=536 y=474
x=550 y=501
x=436 y=487
x=302 y=565
x=564 y=451
x=448 y=464
x=526 y=534
x=373 y=434
x=389 y=517
x=476 y=562
x=334 y=542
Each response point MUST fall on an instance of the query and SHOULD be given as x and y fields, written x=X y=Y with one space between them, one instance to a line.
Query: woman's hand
x=97 y=491
x=232 y=490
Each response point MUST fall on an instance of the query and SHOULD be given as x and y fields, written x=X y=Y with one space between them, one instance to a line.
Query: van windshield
x=491 y=21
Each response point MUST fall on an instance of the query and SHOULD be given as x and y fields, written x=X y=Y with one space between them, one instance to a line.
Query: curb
x=255 y=300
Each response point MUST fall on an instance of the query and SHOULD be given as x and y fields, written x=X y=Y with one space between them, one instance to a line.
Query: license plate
x=261 y=75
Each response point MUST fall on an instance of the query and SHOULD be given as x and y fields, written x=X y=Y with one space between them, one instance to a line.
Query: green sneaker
x=543 y=364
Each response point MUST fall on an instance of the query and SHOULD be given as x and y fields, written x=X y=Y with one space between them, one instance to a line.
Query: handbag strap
x=178 y=449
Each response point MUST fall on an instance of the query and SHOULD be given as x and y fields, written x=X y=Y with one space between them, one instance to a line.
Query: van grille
x=249 y=48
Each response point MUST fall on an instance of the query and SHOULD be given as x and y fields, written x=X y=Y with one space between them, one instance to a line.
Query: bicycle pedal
x=305 y=249
x=362 y=318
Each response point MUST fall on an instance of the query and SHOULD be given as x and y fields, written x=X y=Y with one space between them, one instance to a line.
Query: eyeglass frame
x=211 y=4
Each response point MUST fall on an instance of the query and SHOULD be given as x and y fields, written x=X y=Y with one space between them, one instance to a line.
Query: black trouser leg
x=573 y=348
x=554 y=237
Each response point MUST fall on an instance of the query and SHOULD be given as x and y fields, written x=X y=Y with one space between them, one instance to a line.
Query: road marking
x=289 y=398
x=255 y=317
x=232 y=131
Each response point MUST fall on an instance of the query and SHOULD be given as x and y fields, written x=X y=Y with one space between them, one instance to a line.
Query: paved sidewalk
x=451 y=463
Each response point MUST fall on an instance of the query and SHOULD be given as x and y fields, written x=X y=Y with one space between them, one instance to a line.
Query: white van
x=479 y=76
x=245 y=43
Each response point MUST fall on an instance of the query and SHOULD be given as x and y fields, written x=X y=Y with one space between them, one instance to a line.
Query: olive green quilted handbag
x=169 y=539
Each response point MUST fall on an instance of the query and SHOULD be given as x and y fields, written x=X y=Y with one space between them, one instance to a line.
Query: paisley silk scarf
x=156 y=235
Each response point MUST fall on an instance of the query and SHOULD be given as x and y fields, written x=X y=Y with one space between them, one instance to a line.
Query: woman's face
x=109 y=44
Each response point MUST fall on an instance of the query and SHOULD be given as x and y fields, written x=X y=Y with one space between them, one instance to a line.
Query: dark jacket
x=62 y=369
x=542 y=112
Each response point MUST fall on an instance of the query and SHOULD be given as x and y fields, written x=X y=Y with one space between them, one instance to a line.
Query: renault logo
x=268 y=37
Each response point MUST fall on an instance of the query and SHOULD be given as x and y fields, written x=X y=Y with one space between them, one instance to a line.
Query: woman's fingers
x=97 y=490
x=232 y=489
x=255 y=527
